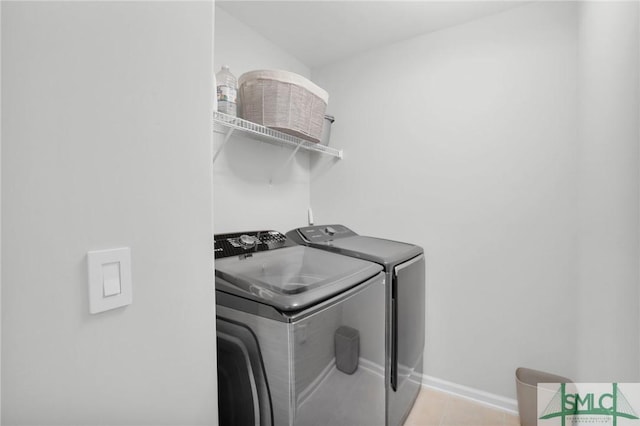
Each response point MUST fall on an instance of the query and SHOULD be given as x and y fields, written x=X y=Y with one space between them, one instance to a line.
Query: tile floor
x=433 y=408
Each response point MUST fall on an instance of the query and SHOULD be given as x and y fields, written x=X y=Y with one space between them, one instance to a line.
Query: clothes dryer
x=404 y=267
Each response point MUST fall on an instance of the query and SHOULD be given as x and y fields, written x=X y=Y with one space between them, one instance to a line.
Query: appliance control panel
x=324 y=233
x=243 y=243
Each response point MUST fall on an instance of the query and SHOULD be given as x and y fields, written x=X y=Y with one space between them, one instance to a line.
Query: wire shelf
x=223 y=123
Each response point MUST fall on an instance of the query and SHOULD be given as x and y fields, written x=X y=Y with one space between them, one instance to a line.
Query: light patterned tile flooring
x=433 y=408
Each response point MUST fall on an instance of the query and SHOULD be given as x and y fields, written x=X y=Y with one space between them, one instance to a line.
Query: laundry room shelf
x=227 y=124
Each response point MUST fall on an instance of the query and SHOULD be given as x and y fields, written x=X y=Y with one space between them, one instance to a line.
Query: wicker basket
x=283 y=101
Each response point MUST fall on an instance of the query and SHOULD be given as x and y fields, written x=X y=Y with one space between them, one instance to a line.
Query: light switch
x=109 y=279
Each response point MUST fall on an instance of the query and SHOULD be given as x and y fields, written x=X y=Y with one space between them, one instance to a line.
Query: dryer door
x=243 y=392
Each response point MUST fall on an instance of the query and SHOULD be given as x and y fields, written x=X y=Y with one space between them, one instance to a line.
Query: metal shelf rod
x=224 y=142
x=277 y=171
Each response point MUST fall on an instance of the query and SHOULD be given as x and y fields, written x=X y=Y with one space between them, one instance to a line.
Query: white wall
x=465 y=141
x=106 y=142
x=0 y=216
x=608 y=328
x=245 y=197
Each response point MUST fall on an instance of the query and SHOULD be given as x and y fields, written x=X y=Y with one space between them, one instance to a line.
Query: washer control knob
x=247 y=241
x=329 y=230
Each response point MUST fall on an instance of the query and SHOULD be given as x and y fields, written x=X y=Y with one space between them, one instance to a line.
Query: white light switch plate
x=109 y=279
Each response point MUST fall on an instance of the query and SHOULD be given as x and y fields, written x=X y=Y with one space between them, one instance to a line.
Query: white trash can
x=527 y=389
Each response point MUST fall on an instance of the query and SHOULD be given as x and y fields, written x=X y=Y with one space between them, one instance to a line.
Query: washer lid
x=291 y=278
x=384 y=252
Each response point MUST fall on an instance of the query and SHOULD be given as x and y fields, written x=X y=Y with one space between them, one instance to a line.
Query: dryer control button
x=329 y=230
x=247 y=240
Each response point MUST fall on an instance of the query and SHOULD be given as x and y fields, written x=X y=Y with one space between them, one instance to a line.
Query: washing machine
x=404 y=267
x=300 y=334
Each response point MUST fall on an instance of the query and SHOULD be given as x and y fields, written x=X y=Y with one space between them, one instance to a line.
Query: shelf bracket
x=227 y=135
x=279 y=169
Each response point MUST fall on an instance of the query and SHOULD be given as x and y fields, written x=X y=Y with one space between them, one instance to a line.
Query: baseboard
x=481 y=397
x=372 y=367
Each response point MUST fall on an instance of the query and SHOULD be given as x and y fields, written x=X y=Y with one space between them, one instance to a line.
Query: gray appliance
x=404 y=267
x=300 y=334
